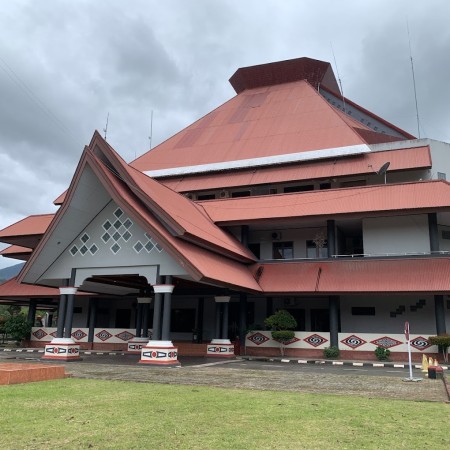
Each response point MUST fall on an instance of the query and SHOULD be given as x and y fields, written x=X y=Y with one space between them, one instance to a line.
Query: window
x=445 y=234
x=312 y=251
x=206 y=197
x=283 y=250
x=353 y=183
x=325 y=186
x=441 y=176
x=241 y=194
x=306 y=187
x=363 y=311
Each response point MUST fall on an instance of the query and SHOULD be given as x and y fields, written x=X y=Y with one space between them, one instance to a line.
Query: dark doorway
x=233 y=318
x=123 y=318
x=299 y=316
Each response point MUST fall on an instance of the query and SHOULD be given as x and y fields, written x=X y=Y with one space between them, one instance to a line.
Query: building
x=287 y=196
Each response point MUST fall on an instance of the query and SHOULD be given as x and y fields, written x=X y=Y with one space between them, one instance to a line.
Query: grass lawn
x=77 y=413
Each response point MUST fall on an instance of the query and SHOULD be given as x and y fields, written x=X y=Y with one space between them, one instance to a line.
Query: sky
x=65 y=66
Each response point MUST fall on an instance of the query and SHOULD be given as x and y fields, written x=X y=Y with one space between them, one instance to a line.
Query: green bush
x=443 y=342
x=18 y=327
x=331 y=352
x=283 y=335
x=382 y=353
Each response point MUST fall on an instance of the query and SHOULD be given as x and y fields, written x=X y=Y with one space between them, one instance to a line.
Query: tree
x=443 y=343
x=281 y=323
x=18 y=327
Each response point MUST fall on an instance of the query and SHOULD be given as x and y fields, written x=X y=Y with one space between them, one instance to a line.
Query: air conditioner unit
x=224 y=194
x=276 y=235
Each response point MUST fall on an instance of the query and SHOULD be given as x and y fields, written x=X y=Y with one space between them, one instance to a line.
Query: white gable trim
x=260 y=162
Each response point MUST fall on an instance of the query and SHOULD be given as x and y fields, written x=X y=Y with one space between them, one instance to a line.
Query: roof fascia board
x=335 y=152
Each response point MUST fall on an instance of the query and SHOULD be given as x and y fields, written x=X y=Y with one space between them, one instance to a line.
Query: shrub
x=382 y=353
x=281 y=323
x=443 y=342
x=331 y=352
x=18 y=327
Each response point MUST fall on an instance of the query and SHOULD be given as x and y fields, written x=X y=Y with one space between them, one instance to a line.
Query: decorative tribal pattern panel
x=347 y=341
x=107 y=335
x=117 y=231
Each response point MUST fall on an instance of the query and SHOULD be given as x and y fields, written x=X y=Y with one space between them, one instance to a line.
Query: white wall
x=396 y=234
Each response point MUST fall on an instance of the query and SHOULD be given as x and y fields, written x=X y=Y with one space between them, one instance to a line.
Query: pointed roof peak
x=316 y=72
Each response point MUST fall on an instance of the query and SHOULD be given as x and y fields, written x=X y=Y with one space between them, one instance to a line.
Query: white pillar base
x=62 y=349
x=220 y=347
x=159 y=353
x=136 y=344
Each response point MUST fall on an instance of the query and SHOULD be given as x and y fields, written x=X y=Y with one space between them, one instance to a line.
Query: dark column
x=200 y=309
x=145 y=318
x=92 y=318
x=439 y=311
x=225 y=321
x=334 y=320
x=242 y=316
x=433 y=231
x=156 y=336
x=50 y=319
x=32 y=312
x=69 y=313
x=138 y=320
x=61 y=315
x=244 y=235
x=165 y=334
x=331 y=238
x=218 y=314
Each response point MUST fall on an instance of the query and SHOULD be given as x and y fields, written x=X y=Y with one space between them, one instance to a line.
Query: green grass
x=76 y=413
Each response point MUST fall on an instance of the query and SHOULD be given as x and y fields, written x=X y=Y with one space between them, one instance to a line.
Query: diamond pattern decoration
x=104 y=335
x=115 y=248
x=138 y=247
x=117 y=224
x=39 y=334
x=106 y=237
x=386 y=342
x=93 y=249
x=53 y=334
x=420 y=343
x=127 y=224
x=78 y=335
x=258 y=338
x=83 y=250
x=126 y=236
x=353 y=341
x=107 y=225
x=116 y=236
x=315 y=340
x=84 y=238
x=125 y=335
x=118 y=213
x=291 y=341
x=74 y=250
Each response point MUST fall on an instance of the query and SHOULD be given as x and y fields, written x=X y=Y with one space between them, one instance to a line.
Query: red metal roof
x=317 y=73
x=403 y=159
x=27 y=231
x=16 y=252
x=356 y=276
x=12 y=288
x=389 y=197
x=262 y=122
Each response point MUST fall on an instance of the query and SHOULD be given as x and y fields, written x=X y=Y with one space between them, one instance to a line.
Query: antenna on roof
x=151 y=129
x=382 y=170
x=339 y=78
x=105 y=130
x=414 y=78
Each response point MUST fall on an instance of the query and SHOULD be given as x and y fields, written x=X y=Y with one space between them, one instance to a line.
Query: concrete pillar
x=162 y=352
x=242 y=317
x=69 y=312
x=199 y=321
x=157 y=318
x=165 y=333
x=269 y=306
x=221 y=346
x=32 y=312
x=62 y=306
x=433 y=232
x=334 y=320
x=64 y=348
x=138 y=319
x=331 y=238
x=145 y=314
x=439 y=311
x=218 y=319
x=225 y=321
x=92 y=318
